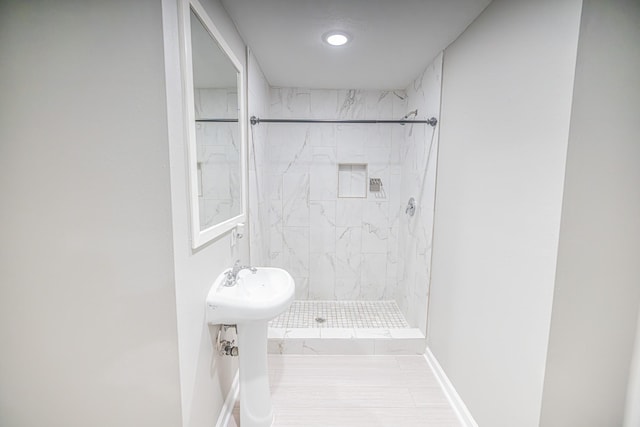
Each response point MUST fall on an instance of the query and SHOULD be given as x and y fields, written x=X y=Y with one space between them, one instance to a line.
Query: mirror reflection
x=215 y=87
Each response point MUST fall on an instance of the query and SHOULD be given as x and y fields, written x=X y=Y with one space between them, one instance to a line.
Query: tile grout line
x=341 y=314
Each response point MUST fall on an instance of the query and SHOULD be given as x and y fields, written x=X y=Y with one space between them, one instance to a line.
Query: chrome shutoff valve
x=227 y=348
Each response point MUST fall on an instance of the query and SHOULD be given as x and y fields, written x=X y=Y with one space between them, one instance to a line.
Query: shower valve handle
x=411 y=207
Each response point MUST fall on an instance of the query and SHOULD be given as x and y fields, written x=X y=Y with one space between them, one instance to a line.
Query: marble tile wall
x=419 y=157
x=258 y=105
x=348 y=248
x=336 y=248
x=218 y=152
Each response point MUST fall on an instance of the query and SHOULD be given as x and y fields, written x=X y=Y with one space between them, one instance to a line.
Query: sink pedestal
x=257 y=296
x=255 y=396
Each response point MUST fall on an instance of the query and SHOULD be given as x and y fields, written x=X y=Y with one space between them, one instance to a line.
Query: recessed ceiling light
x=336 y=38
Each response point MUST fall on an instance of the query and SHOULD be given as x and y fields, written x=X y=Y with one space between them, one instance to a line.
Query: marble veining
x=352 y=104
x=303 y=162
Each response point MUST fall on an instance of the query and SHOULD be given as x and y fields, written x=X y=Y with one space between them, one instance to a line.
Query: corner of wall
x=205 y=377
x=595 y=289
x=498 y=203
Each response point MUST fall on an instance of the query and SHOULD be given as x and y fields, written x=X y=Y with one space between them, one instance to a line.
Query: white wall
x=506 y=103
x=632 y=408
x=205 y=377
x=87 y=302
x=597 y=288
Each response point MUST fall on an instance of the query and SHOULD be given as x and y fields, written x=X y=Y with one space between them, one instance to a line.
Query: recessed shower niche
x=352 y=180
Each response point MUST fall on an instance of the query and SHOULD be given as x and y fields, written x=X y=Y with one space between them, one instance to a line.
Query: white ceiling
x=393 y=40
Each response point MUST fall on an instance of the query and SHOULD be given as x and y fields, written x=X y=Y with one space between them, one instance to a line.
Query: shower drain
x=320 y=320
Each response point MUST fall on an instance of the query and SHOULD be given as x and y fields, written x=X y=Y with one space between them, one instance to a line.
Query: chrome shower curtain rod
x=255 y=120
x=218 y=120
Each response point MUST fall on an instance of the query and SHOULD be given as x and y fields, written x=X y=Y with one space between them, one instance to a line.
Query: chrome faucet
x=232 y=274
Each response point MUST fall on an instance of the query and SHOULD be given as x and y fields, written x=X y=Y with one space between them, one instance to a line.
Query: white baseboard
x=227 y=408
x=452 y=395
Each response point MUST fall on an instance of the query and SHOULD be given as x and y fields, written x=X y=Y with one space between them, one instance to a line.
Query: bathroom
x=525 y=195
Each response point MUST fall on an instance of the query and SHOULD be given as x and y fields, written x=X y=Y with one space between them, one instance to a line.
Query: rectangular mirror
x=215 y=120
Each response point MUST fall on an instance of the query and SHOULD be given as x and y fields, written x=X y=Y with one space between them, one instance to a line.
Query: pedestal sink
x=256 y=298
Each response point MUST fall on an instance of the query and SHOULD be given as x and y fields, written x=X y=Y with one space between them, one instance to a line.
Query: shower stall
x=342 y=190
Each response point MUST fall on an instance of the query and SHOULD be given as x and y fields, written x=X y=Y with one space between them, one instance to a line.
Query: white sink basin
x=262 y=295
x=255 y=299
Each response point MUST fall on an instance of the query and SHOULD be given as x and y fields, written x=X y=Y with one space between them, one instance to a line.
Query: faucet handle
x=230 y=279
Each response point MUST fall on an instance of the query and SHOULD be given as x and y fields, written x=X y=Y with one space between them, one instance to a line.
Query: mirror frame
x=200 y=237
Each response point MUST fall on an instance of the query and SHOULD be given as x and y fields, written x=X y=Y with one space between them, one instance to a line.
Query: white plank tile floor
x=355 y=391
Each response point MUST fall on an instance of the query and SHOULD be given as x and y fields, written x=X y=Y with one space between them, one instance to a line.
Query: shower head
x=413 y=113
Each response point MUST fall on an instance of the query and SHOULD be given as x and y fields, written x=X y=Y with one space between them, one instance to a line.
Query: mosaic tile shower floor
x=341 y=314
